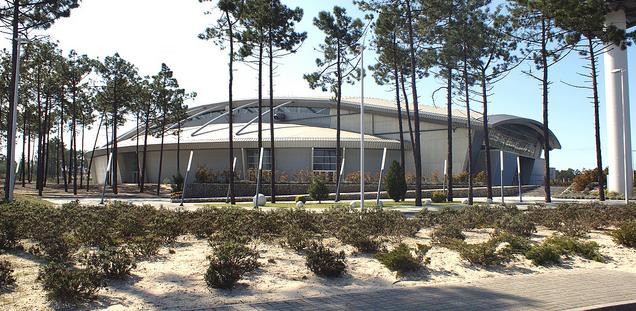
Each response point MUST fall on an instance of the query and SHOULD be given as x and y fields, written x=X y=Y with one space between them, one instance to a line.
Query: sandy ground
x=175 y=281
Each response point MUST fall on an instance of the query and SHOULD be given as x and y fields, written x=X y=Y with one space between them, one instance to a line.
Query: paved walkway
x=568 y=290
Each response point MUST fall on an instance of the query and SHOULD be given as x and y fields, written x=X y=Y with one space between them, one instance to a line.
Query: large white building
x=305 y=139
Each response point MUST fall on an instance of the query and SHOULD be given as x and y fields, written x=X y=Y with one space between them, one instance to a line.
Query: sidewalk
x=568 y=290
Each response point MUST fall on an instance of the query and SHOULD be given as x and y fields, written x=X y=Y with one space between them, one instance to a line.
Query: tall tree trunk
x=231 y=107
x=399 y=109
x=40 y=157
x=74 y=165
x=163 y=131
x=597 y=123
x=137 y=168
x=546 y=131
x=10 y=117
x=57 y=159
x=29 y=156
x=48 y=139
x=470 y=134
x=115 y=167
x=83 y=153
x=449 y=121
x=145 y=151
x=416 y=109
x=24 y=161
x=338 y=101
x=408 y=111
x=62 y=144
x=272 y=148
x=484 y=95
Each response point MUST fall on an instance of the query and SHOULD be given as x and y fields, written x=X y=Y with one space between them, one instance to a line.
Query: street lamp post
x=625 y=133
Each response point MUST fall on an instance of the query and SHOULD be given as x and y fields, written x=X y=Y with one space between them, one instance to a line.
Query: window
x=253 y=157
x=325 y=159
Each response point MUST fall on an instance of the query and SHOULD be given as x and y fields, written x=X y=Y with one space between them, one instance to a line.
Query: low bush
x=7 y=233
x=570 y=246
x=625 y=234
x=230 y=262
x=112 y=262
x=6 y=275
x=551 y=249
x=448 y=235
x=146 y=246
x=516 y=224
x=438 y=197
x=401 y=259
x=324 y=262
x=517 y=244
x=56 y=247
x=489 y=253
x=166 y=225
x=69 y=284
x=544 y=255
x=357 y=238
x=296 y=238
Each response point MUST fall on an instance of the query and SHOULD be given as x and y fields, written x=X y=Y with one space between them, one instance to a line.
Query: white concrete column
x=614 y=59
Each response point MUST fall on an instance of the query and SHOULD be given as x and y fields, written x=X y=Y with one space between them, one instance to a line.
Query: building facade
x=305 y=141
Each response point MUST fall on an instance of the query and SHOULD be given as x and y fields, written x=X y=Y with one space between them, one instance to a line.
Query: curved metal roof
x=534 y=128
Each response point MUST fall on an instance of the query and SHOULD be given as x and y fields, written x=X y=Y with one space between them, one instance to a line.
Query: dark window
x=253 y=157
x=325 y=159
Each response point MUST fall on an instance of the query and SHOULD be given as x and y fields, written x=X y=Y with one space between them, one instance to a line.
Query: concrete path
x=567 y=290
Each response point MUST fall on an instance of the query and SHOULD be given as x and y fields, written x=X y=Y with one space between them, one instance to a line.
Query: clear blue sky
x=149 y=32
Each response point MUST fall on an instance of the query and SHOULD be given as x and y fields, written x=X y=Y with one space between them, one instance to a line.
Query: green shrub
x=358 y=239
x=6 y=275
x=325 y=262
x=56 y=247
x=68 y=284
x=166 y=224
x=485 y=254
x=146 y=246
x=395 y=182
x=448 y=235
x=300 y=198
x=296 y=238
x=625 y=234
x=518 y=244
x=438 y=197
x=551 y=249
x=318 y=190
x=113 y=262
x=570 y=246
x=544 y=255
x=8 y=233
x=401 y=260
x=229 y=263
x=517 y=224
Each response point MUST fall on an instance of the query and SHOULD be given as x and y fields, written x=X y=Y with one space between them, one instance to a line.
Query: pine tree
x=282 y=40
x=584 y=23
x=224 y=32
x=169 y=100
x=24 y=16
x=535 y=20
x=117 y=96
x=339 y=49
